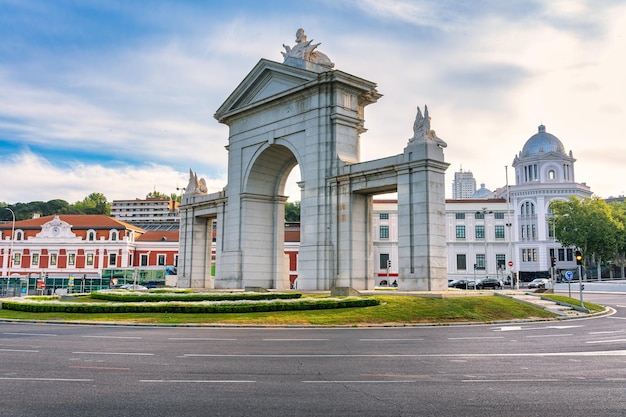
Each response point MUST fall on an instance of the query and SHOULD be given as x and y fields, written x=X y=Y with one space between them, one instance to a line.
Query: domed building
x=543 y=172
x=482 y=192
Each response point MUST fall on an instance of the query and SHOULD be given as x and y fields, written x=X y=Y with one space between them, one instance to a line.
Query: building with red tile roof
x=81 y=247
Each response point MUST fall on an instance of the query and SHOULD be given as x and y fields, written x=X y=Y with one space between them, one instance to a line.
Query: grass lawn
x=593 y=308
x=394 y=309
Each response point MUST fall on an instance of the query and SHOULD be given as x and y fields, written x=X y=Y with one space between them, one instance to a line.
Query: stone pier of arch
x=301 y=114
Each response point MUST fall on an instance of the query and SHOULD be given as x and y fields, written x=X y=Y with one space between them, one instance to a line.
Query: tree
x=292 y=211
x=589 y=224
x=94 y=203
x=157 y=194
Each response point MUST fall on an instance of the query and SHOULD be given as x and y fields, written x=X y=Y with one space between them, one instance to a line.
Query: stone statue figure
x=422 y=131
x=195 y=185
x=306 y=50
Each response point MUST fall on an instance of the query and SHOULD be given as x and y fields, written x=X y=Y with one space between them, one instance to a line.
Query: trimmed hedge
x=135 y=297
x=177 y=307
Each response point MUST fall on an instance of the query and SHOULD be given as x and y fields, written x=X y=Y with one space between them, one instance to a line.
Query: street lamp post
x=484 y=213
x=10 y=262
x=11 y=246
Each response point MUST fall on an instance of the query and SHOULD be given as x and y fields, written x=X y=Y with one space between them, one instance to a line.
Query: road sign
x=569 y=275
x=510 y=263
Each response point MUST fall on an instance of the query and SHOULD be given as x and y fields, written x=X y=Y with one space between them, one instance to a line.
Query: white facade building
x=148 y=213
x=543 y=172
x=497 y=237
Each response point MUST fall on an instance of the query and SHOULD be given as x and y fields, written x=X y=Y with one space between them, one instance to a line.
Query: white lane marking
x=197 y=381
x=31 y=334
x=608 y=332
x=406 y=381
x=47 y=379
x=550 y=335
x=295 y=340
x=390 y=340
x=476 y=338
x=607 y=341
x=517 y=328
x=510 y=380
x=114 y=353
x=201 y=339
x=18 y=350
x=433 y=355
x=112 y=337
x=413 y=381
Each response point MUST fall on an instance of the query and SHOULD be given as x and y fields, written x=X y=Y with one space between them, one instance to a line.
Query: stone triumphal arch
x=303 y=113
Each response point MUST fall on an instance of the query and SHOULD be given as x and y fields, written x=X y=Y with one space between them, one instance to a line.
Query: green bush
x=134 y=297
x=178 y=307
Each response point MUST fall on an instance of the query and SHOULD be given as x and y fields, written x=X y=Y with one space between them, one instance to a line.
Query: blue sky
x=118 y=97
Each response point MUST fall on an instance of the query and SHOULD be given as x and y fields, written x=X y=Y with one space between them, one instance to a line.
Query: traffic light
x=553 y=261
x=579 y=258
x=388 y=263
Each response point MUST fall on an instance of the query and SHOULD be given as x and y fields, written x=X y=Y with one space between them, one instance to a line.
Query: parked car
x=463 y=284
x=538 y=283
x=491 y=283
x=131 y=287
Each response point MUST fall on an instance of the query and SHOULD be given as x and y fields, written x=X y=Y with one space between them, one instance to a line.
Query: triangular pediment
x=56 y=228
x=267 y=80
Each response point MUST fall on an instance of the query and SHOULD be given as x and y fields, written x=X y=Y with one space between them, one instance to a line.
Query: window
x=35 y=259
x=480 y=261
x=17 y=258
x=480 y=232
x=551 y=174
x=570 y=255
x=500 y=260
x=499 y=231
x=498 y=215
x=90 y=259
x=19 y=235
x=384 y=259
x=161 y=260
x=527 y=209
x=144 y=259
x=112 y=259
x=91 y=235
x=71 y=259
x=53 y=259
x=460 y=232
x=459 y=216
x=384 y=232
x=383 y=216
x=479 y=215
x=461 y=261
x=113 y=234
x=529 y=255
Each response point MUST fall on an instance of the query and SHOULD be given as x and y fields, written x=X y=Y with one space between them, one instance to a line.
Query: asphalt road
x=565 y=368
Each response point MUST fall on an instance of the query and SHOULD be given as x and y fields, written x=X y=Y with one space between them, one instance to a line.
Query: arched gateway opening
x=302 y=112
x=263 y=217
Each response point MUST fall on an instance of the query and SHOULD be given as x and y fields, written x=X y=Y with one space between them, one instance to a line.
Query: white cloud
x=33 y=178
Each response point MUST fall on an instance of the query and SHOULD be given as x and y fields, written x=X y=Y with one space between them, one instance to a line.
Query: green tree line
x=594 y=227
x=96 y=203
